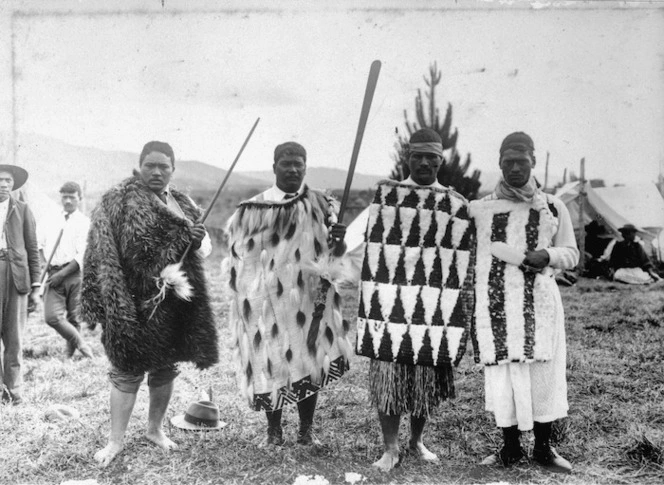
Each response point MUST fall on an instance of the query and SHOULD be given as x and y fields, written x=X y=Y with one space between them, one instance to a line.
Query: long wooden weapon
x=172 y=276
x=50 y=258
x=364 y=115
x=325 y=283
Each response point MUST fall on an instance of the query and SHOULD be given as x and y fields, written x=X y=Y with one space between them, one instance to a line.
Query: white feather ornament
x=295 y=297
x=326 y=365
x=171 y=277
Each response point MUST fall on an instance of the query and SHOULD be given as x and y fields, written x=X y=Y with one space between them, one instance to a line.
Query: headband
x=427 y=147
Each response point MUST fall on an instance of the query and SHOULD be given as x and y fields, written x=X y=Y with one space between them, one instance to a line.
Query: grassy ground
x=615 y=432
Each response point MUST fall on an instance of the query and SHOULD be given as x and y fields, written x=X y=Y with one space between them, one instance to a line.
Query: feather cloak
x=132 y=238
x=416 y=280
x=285 y=310
x=514 y=309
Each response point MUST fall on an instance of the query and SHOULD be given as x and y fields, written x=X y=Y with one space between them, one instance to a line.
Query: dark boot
x=306 y=409
x=275 y=434
x=544 y=454
x=511 y=452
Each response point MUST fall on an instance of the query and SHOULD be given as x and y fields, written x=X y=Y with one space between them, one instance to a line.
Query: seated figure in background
x=629 y=262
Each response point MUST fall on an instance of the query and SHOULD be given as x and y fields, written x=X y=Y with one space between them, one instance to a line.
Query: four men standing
x=433 y=272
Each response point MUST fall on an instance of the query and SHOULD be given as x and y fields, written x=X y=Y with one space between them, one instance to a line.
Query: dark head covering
x=20 y=175
x=426 y=140
x=289 y=148
x=157 y=146
x=517 y=141
x=628 y=228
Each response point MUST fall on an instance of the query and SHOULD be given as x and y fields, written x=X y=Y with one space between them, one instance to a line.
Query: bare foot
x=423 y=452
x=389 y=460
x=106 y=454
x=159 y=438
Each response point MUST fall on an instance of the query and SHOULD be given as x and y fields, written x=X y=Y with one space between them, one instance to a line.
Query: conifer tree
x=453 y=172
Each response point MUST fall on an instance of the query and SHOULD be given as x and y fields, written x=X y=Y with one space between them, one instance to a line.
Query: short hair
x=289 y=148
x=157 y=146
x=70 y=188
x=426 y=135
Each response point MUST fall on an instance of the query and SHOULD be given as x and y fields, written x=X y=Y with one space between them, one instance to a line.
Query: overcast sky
x=583 y=83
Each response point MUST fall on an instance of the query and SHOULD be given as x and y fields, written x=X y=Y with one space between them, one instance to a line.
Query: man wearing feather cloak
x=141 y=226
x=415 y=295
x=518 y=332
x=285 y=255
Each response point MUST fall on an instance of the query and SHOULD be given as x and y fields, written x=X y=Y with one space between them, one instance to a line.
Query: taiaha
x=324 y=284
x=374 y=71
x=172 y=276
x=50 y=258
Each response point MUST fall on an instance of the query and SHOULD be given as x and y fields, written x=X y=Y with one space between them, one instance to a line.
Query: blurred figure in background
x=64 y=247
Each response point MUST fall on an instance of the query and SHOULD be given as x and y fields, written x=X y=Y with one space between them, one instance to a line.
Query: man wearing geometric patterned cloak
x=415 y=295
x=523 y=236
x=285 y=256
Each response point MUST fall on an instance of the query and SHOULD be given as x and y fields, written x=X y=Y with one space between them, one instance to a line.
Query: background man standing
x=141 y=226
x=19 y=277
x=66 y=242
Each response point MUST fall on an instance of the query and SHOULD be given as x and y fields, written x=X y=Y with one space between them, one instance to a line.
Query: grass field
x=615 y=432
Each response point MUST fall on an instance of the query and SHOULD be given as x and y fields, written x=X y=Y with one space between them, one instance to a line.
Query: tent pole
x=582 y=229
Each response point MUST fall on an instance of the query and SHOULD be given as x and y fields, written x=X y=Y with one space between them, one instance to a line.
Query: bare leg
x=390 y=427
x=159 y=399
x=416 y=430
x=122 y=404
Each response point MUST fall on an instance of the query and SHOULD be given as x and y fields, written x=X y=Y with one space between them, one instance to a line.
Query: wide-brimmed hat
x=628 y=228
x=200 y=416
x=20 y=174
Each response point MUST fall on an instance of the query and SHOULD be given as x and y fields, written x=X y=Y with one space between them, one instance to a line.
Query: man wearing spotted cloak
x=523 y=236
x=415 y=295
x=285 y=255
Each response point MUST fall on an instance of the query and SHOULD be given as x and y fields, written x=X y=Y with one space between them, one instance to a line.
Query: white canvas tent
x=613 y=207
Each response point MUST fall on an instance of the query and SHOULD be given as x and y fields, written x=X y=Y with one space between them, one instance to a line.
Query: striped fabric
x=514 y=309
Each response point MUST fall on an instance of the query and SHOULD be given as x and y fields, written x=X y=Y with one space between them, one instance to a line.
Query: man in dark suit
x=19 y=277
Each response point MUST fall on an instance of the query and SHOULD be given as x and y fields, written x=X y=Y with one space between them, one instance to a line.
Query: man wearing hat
x=140 y=227
x=523 y=236
x=64 y=248
x=629 y=262
x=19 y=277
x=285 y=257
x=415 y=296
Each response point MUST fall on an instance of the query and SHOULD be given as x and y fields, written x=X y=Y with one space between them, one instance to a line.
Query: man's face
x=70 y=201
x=516 y=166
x=156 y=171
x=6 y=185
x=289 y=171
x=424 y=167
x=629 y=235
